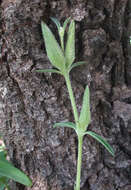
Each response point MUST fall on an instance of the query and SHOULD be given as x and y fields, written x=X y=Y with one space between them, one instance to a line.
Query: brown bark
x=30 y=103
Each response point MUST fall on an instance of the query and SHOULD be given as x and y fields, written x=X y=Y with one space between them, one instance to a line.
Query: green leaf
x=65 y=124
x=4 y=182
x=2 y=186
x=56 y=22
x=77 y=64
x=85 y=115
x=9 y=171
x=65 y=23
x=48 y=71
x=2 y=155
x=54 y=52
x=70 y=45
x=102 y=141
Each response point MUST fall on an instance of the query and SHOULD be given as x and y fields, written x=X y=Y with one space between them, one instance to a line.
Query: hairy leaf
x=9 y=171
x=85 y=115
x=70 y=45
x=53 y=49
x=101 y=140
x=65 y=124
x=48 y=71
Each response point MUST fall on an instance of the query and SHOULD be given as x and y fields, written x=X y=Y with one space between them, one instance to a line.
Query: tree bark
x=30 y=103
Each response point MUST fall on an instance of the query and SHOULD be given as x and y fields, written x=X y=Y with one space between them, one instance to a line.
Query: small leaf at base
x=102 y=141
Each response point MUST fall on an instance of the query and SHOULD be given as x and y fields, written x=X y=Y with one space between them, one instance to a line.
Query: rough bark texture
x=30 y=103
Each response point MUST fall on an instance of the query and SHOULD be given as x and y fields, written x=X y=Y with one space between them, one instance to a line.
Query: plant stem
x=72 y=99
x=79 y=162
x=80 y=137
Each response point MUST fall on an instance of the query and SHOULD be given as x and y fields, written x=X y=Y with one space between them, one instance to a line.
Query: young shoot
x=62 y=58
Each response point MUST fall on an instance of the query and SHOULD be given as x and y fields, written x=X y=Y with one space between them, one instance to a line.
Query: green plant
x=62 y=57
x=8 y=171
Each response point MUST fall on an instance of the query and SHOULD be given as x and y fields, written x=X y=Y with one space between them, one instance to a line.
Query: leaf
x=77 y=64
x=85 y=115
x=56 y=22
x=4 y=183
x=65 y=23
x=70 y=45
x=2 y=155
x=65 y=124
x=2 y=186
x=9 y=171
x=48 y=71
x=3 y=180
x=102 y=141
x=54 y=52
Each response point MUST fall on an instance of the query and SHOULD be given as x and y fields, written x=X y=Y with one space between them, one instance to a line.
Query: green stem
x=74 y=108
x=80 y=137
x=79 y=162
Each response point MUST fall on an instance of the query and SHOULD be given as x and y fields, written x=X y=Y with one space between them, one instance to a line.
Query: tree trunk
x=30 y=103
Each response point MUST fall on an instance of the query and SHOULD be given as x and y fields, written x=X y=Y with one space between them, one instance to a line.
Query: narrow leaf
x=9 y=171
x=65 y=23
x=70 y=45
x=65 y=124
x=85 y=115
x=101 y=140
x=48 y=71
x=77 y=64
x=53 y=49
x=56 y=22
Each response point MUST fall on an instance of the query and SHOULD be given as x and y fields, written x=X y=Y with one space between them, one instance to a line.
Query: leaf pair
x=60 y=58
x=8 y=171
x=59 y=25
x=61 y=30
x=92 y=134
